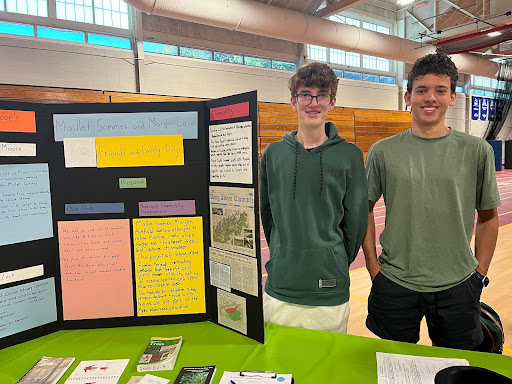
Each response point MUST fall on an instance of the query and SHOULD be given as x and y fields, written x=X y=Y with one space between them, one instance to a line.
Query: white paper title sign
x=125 y=124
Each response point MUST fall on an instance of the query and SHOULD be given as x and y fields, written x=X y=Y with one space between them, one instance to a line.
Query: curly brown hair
x=436 y=64
x=314 y=75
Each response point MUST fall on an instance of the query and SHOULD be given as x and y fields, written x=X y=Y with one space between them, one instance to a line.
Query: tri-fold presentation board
x=129 y=214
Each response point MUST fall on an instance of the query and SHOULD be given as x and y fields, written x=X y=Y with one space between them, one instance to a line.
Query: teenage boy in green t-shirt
x=313 y=199
x=432 y=179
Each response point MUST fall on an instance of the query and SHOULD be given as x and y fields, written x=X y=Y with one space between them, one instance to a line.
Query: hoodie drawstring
x=295 y=171
x=321 y=174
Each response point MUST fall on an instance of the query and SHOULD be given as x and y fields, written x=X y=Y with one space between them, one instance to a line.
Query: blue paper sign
x=27 y=306
x=125 y=124
x=93 y=208
x=492 y=109
x=475 y=107
x=484 y=105
x=25 y=203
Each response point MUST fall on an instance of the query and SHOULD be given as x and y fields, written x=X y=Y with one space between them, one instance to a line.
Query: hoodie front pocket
x=297 y=269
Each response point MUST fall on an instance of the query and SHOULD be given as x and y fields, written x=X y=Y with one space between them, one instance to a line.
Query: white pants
x=323 y=318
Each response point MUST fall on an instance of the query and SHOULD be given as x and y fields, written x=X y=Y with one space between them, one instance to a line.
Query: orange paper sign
x=17 y=121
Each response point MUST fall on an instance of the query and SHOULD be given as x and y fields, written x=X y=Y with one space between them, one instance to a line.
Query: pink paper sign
x=167 y=208
x=96 y=269
x=229 y=111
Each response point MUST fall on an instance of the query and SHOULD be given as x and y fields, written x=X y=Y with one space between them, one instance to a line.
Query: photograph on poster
x=80 y=152
x=220 y=274
x=232 y=219
x=231 y=311
x=243 y=270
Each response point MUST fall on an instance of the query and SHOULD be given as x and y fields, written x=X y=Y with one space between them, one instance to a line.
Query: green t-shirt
x=431 y=188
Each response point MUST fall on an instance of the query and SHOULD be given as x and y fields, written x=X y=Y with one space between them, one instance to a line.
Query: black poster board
x=89 y=185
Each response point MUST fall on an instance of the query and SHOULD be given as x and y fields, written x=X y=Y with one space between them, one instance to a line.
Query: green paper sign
x=132 y=183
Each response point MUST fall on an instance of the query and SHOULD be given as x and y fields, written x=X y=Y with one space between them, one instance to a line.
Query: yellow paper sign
x=139 y=151
x=169 y=266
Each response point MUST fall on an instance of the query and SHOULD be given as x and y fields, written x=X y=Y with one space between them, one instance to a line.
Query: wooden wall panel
x=48 y=95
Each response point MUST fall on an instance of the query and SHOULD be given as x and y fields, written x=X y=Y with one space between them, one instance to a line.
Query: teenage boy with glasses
x=313 y=200
x=432 y=178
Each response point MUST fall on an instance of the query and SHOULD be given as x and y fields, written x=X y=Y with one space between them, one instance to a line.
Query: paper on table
x=254 y=377
x=151 y=379
x=98 y=372
x=135 y=379
x=393 y=368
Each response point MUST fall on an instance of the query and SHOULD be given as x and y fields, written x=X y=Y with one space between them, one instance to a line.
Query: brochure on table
x=129 y=214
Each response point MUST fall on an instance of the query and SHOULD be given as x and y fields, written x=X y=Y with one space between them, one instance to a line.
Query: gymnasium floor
x=498 y=294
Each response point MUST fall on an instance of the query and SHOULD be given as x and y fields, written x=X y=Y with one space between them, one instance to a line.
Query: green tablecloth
x=311 y=356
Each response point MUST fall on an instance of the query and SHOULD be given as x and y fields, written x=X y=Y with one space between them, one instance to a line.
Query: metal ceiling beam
x=460 y=9
x=337 y=7
x=420 y=22
x=468 y=28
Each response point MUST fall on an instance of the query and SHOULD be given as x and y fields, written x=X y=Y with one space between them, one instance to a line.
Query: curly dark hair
x=314 y=75
x=436 y=64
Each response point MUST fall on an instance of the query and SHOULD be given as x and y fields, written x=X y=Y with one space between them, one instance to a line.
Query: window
x=376 y=28
x=160 y=48
x=459 y=90
x=373 y=78
x=338 y=72
x=111 y=13
x=276 y=64
x=354 y=22
x=228 y=58
x=337 y=56
x=27 y=7
x=257 y=62
x=353 y=59
x=387 y=80
x=223 y=57
x=109 y=41
x=353 y=75
x=369 y=62
x=16 y=29
x=196 y=53
x=75 y=10
x=481 y=81
x=61 y=34
x=317 y=53
x=377 y=63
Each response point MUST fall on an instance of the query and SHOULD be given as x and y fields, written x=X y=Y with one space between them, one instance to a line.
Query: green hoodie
x=314 y=210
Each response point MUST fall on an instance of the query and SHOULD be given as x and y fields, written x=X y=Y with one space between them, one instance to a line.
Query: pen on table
x=231 y=382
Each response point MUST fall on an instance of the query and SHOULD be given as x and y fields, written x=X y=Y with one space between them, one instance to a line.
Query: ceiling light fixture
x=404 y=2
x=494 y=34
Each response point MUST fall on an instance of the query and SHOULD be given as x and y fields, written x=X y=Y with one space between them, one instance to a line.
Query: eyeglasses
x=322 y=99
